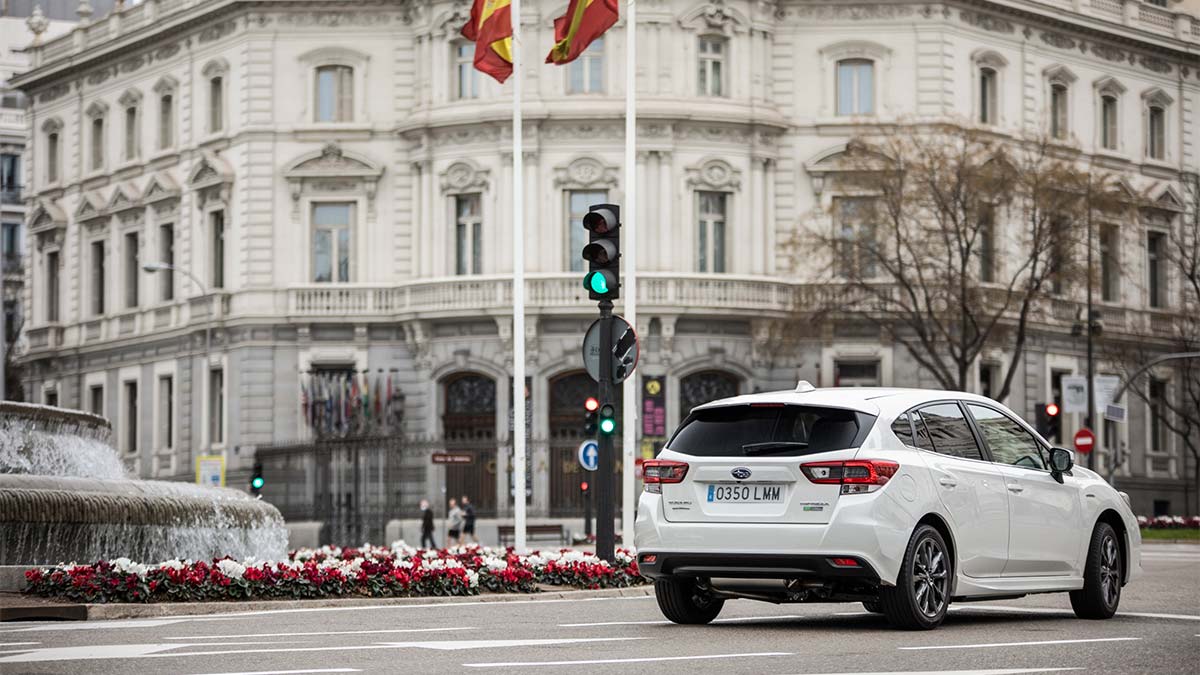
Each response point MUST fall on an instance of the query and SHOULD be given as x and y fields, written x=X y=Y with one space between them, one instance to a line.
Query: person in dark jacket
x=468 y=521
x=427 y=526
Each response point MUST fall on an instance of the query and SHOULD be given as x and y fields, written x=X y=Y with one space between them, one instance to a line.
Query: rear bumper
x=655 y=564
x=873 y=529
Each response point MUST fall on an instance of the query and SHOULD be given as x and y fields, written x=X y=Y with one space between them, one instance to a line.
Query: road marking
x=332 y=632
x=1067 y=612
x=91 y=653
x=17 y=644
x=1000 y=671
x=427 y=605
x=95 y=652
x=996 y=671
x=292 y=672
x=1019 y=644
x=648 y=659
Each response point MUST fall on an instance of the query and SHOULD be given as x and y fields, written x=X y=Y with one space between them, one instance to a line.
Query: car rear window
x=769 y=430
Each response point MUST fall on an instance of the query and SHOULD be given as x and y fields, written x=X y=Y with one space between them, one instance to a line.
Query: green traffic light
x=598 y=283
x=608 y=425
x=257 y=482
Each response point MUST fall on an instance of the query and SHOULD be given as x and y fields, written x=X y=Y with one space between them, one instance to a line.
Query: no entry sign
x=1084 y=440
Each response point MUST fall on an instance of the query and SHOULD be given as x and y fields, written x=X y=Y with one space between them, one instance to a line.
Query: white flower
x=231 y=569
x=127 y=566
x=173 y=564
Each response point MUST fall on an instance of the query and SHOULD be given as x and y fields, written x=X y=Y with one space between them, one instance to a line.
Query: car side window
x=949 y=431
x=1009 y=442
x=923 y=441
x=903 y=429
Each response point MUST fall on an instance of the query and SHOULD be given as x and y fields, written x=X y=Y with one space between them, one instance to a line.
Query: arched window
x=334 y=94
x=470 y=407
x=704 y=386
x=855 y=87
x=165 y=88
x=131 y=104
x=97 y=113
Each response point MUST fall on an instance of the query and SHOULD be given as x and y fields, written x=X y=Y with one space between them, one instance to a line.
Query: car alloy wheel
x=1110 y=571
x=930 y=580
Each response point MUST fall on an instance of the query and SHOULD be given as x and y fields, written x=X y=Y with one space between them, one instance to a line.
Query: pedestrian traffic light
x=1049 y=423
x=608 y=422
x=583 y=487
x=603 y=252
x=256 y=479
x=591 y=406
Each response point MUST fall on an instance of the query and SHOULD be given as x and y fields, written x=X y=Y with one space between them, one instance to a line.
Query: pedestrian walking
x=468 y=520
x=454 y=524
x=427 y=526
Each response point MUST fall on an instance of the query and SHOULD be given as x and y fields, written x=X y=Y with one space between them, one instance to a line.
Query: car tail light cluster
x=855 y=476
x=656 y=472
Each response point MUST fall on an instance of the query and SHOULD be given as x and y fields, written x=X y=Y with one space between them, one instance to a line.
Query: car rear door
x=744 y=463
x=971 y=488
x=1046 y=517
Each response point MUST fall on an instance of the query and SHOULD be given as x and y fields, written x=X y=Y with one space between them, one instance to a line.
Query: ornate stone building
x=337 y=178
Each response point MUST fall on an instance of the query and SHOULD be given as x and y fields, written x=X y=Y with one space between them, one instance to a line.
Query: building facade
x=332 y=181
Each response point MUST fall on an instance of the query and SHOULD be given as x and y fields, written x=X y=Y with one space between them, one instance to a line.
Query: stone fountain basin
x=50 y=519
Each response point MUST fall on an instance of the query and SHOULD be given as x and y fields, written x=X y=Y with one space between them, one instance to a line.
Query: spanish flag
x=584 y=21
x=490 y=28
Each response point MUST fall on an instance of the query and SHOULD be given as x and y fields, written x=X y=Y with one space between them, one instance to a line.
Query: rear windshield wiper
x=770 y=447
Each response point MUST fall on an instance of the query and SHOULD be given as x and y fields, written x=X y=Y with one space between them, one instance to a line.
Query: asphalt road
x=1156 y=631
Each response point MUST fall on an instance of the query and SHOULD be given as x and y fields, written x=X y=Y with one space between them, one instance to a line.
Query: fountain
x=65 y=497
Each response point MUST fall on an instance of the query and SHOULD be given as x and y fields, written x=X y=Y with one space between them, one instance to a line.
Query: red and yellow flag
x=490 y=28
x=584 y=21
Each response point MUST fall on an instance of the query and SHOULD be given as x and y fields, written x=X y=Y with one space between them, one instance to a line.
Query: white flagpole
x=629 y=416
x=518 y=245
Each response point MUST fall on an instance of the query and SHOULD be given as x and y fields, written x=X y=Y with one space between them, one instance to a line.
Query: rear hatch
x=744 y=462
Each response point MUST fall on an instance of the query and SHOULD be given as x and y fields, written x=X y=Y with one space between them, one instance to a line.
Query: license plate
x=750 y=494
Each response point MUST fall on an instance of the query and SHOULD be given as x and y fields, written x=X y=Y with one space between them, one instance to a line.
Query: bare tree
x=949 y=238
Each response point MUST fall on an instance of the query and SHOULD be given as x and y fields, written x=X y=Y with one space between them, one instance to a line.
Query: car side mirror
x=1061 y=462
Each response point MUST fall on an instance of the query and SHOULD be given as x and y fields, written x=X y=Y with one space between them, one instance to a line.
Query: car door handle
x=1015 y=489
x=947 y=482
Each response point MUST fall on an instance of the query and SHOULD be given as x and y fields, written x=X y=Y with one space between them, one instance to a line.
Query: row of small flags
x=341 y=402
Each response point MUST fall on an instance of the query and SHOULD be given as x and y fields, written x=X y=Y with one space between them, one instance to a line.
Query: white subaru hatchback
x=904 y=500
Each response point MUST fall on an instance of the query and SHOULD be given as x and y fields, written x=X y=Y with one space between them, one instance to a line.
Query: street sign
x=210 y=470
x=625 y=349
x=1084 y=440
x=1104 y=387
x=589 y=455
x=1074 y=394
x=452 y=458
x=1114 y=412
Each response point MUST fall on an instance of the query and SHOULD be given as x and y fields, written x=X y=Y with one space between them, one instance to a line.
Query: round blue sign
x=589 y=455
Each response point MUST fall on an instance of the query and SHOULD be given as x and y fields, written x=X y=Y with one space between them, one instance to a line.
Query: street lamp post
x=167 y=267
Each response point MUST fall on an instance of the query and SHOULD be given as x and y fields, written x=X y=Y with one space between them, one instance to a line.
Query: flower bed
x=367 y=571
x=1169 y=523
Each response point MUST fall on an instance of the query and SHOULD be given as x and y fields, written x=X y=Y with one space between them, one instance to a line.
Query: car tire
x=921 y=596
x=1102 y=575
x=682 y=602
x=872 y=606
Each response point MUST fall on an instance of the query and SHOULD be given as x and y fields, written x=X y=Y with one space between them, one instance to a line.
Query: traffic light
x=603 y=252
x=1049 y=422
x=583 y=487
x=608 y=422
x=591 y=406
x=256 y=479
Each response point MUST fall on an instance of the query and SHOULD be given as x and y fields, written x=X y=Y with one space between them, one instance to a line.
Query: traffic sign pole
x=605 y=536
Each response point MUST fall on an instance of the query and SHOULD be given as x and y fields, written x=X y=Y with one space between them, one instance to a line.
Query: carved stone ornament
x=988 y=22
x=715 y=17
x=53 y=93
x=1155 y=64
x=46 y=215
x=860 y=12
x=160 y=188
x=1108 y=52
x=332 y=169
x=586 y=172
x=121 y=200
x=714 y=174
x=210 y=178
x=464 y=176
x=1057 y=40
x=90 y=211
x=216 y=31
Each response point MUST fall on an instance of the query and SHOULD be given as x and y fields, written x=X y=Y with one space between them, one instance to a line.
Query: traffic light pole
x=606 y=467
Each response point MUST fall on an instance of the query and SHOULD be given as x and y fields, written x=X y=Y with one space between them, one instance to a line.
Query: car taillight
x=855 y=476
x=655 y=472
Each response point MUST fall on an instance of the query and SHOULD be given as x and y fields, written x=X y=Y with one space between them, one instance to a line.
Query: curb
x=99 y=612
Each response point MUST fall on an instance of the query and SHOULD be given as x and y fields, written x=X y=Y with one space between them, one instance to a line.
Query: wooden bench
x=508 y=533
